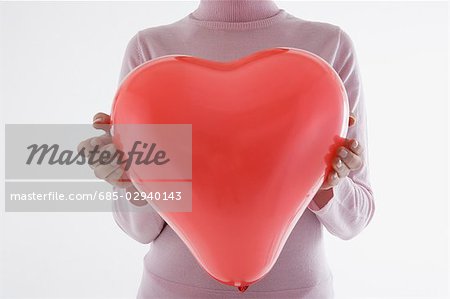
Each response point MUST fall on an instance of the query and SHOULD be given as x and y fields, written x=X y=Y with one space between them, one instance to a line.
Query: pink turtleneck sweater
x=228 y=30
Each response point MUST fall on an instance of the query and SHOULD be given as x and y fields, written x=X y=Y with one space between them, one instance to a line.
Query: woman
x=344 y=205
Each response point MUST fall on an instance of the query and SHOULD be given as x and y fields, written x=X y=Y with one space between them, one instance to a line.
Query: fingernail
x=98 y=119
x=339 y=163
x=335 y=176
x=355 y=144
x=343 y=153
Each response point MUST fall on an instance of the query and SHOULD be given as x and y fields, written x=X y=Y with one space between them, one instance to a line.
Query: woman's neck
x=235 y=10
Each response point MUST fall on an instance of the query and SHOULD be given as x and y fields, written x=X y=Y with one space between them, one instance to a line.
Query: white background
x=60 y=64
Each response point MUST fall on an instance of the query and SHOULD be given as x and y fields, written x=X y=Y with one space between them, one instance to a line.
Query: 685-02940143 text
x=99 y=195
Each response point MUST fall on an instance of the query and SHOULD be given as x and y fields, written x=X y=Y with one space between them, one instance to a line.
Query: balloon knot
x=242 y=288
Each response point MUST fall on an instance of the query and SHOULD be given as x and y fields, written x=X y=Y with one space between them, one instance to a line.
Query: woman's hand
x=112 y=173
x=347 y=159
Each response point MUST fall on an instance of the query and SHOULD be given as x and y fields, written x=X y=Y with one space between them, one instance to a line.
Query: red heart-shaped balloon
x=264 y=131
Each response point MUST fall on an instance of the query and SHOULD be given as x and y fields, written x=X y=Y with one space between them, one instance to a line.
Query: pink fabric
x=228 y=30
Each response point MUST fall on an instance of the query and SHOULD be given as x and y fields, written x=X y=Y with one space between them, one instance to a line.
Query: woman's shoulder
x=313 y=25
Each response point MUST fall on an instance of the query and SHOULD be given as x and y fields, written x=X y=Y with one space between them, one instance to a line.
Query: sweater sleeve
x=351 y=206
x=142 y=223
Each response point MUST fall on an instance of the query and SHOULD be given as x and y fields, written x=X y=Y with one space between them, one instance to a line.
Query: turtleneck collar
x=235 y=10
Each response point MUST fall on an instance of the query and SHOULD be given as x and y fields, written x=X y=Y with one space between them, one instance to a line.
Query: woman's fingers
x=101 y=141
x=340 y=168
x=350 y=159
x=105 y=171
x=87 y=146
x=102 y=121
x=101 y=152
x=117 y=177
x=106 y=165
x=347 y=159
x=112 y=174
x=354 y=146
x=101 y=118
x=104 y=155
x=332 y=180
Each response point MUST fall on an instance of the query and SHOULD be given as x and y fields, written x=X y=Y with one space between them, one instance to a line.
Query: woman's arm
x=346 y=209
x=140 y=221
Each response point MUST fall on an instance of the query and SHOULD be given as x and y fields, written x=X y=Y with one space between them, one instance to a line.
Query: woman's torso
x=301 y=271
